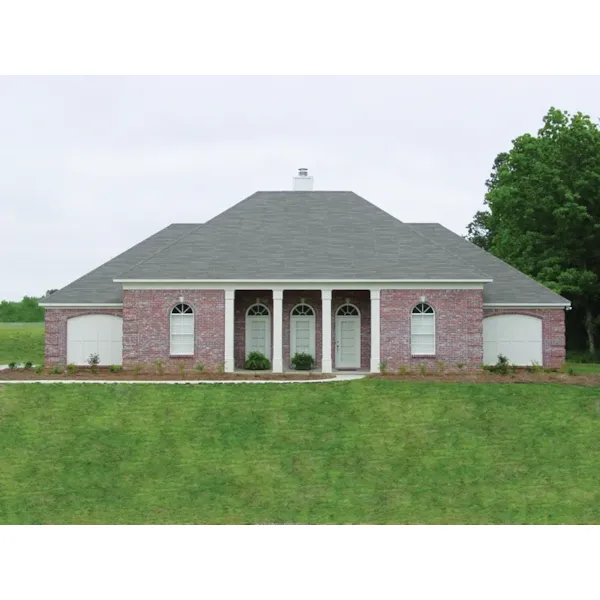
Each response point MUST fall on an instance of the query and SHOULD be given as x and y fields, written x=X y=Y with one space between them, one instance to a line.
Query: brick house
x=326 y=273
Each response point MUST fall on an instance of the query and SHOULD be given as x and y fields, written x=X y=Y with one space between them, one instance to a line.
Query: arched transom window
x=422 y=331
x=347 y=310
x=258 y=310
x=303 y=310
x=182 y=330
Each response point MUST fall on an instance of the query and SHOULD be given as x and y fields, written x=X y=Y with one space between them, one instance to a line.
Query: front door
x=347 y=342
x=257 y=336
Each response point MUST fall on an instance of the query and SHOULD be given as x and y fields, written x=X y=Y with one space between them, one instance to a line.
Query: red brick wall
x=146 y=326
x=458 y=327
x=55 y=348
x=553 y=331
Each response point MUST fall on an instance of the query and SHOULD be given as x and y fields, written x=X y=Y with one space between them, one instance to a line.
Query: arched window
x=258 y=310
x=347 y=310
x=422 y=331
x=182 y=330
x=303 y=310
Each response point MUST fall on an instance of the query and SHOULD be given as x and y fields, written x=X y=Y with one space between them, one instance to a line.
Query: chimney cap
x=302 y=172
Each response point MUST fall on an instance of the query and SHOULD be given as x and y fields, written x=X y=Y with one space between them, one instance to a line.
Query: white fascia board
x=295 y=284
x=526 y=305
x=80 y=305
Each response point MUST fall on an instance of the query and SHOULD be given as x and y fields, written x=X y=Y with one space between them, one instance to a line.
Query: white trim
x=81 y=305
x=434 y=315
x=375 y=330
x=525 y=305
x=192 y=333
x=229 y=331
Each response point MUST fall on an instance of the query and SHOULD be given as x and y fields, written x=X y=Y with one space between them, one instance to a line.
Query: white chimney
x=303 y=183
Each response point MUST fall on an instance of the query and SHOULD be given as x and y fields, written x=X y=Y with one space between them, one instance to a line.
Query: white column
x=375 y=330
x=277 y=331
x=229 y=330
x=326 y=366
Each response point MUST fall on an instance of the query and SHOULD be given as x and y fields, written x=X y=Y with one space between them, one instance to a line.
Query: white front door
x=258 y=336
x=347 y=342
x=302 y=335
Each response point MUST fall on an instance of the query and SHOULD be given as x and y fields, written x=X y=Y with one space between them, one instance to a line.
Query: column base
x=277 y=365
x=326 y=366
x=375 y=362
x=229 y=366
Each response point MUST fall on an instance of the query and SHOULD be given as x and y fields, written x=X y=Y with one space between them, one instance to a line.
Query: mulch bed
x=104 y=374
x=487 y=377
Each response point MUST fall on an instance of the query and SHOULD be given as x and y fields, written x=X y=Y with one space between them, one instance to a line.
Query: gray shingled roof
x=98 y=286
x=304 y=235
x=509 y=285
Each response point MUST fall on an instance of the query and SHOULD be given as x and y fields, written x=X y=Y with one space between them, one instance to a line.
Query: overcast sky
x=91 y=166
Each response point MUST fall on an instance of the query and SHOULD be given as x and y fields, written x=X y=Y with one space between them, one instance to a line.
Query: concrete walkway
x=334 y=377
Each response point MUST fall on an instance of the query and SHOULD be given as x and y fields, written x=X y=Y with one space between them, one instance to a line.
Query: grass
x=583 y=368
x=21 y=342
x=367 y=451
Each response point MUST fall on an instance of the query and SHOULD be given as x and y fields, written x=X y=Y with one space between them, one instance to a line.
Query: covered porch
x=340 y=328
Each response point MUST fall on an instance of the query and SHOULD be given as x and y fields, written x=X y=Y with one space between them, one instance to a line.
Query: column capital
x=229 y=294
x=326 y=294
x=375 y=294
x=277 y=294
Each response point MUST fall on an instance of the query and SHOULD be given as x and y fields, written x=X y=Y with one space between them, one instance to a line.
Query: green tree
x=542 y=210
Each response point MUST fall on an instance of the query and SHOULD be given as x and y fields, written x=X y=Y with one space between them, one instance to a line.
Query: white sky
x=92 y=165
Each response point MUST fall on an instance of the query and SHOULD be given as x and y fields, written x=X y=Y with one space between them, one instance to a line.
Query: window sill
x=181 y=356
x=422 y=355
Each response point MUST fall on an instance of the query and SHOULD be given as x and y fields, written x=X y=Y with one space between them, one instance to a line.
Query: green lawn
x=21 y=342
x=583 y=368
x=369 y=451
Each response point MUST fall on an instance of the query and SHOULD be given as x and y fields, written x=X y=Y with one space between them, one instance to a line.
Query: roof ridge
x=447 y=249
x=164 y=247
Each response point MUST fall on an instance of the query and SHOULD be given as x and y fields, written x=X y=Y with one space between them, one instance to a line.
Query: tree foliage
x=26 y=311
x=542 y=210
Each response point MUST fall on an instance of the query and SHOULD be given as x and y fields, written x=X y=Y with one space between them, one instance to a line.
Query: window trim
x=413 y=334
x=356 y=316
x=182 y=336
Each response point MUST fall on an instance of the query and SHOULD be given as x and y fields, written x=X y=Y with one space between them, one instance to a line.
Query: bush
x=501 y=367
x=181 y=367
x=460 y=365
x=57 y=370
x=571 y=371
x=256 y=361
x=199 y=367
x=28 y=365
x=93 y=360
x=221 y=367
x=383 y=367
x=137 y=368
x=39 y=368
x=441 y=366
x=534 y=367
x=160 y=367
x=302 y=361
x=12 y=365
x=583 y=357
x=115 y=368
x=72 y=368
x=403 y=370
x=423 y=370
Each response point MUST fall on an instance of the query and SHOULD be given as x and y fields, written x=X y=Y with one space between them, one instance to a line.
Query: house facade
x=324 y=273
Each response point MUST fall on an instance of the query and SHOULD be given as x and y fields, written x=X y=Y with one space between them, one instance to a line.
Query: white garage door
x=518 y=337
x=95 y=334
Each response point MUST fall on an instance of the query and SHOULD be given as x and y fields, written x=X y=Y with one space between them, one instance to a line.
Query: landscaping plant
x=302 y=361
x=257 y=361
x=93 y=360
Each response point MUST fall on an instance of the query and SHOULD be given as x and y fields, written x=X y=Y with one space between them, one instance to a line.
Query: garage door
x=517 y=337
x=95 y=334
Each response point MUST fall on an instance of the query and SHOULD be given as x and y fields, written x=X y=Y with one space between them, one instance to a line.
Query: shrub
x=72 y=368
x=28 y=365
x=160 y=367
x=93 y=360
x=256 y=361
x=137 y=368
x=423 y=370
x=181 y=367
x=460 y=365
x=441 y=366
x=534 y=367
x=39 y=368
x=501 y=366
x=221 y=366
x=12 y=365
x=199 y=367
x=57 y=370
x=302 y=361
x=383 y=367
x=584 y=357
x=115 y=368
x=571 y=371
x=403 y=370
